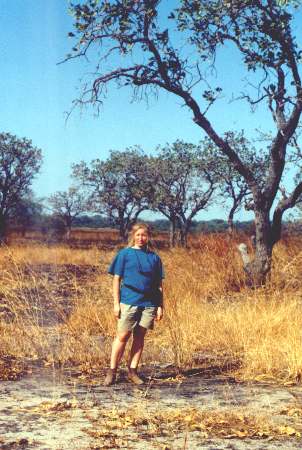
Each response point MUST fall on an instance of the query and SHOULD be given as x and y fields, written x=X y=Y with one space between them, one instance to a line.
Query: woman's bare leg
x=137 y=346
x=118 y=348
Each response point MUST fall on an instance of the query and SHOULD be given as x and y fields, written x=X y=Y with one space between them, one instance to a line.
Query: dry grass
x=171 y=427
x=56 y=306
x=170 y=422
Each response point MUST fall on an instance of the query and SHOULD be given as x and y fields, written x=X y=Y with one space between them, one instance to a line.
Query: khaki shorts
x=131 y=316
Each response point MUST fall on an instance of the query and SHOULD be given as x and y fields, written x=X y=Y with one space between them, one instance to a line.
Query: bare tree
x=19 y=164
x=262 y=34
x=67 y=206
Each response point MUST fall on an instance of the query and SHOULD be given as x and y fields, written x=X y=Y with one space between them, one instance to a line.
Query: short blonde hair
x=137 y=226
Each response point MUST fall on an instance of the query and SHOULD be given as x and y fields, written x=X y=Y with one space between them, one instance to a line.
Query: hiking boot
x=110 y=377
x=133 y=377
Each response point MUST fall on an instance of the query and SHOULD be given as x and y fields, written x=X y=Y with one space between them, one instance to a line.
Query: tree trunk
x=2 y=229
x=184 y=225
x=172 y=237
x=259 y=269
x=67 y=224
x=122 y=224
x=231 y=221
x=123 y=232
x=67 y=233
x=183 y=236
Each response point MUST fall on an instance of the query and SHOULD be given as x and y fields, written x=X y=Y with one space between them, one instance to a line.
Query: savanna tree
x=66 y=206
x=139 y=44
x=20 y=162
x=182 y=184
x=116 y=186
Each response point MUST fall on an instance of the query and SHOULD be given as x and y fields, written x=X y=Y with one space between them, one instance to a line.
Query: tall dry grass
x=55 y=307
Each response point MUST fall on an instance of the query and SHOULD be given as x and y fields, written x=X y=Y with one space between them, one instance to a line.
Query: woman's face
x=140 y=238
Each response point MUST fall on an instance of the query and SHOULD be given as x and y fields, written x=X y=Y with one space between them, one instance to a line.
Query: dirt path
x=52 y=410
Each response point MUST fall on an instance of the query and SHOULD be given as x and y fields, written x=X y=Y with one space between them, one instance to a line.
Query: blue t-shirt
x=141 y=272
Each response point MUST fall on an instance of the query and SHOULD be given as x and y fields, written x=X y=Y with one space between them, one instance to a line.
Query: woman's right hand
x=117 y=311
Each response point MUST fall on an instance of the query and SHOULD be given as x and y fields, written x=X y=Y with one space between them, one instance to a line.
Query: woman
x=138 y=299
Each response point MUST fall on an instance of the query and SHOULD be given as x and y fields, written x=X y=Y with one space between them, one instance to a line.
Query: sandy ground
x=49 y=409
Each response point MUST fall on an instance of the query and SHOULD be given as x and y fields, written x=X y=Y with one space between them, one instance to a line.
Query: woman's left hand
x=159 y=313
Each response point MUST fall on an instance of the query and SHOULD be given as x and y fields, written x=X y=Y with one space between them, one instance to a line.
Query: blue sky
x=36 y=93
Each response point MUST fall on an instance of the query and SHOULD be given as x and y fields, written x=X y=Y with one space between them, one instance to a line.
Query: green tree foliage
x=181 y=185
x=132 y=44
x=116 y=187
x=20 y=162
